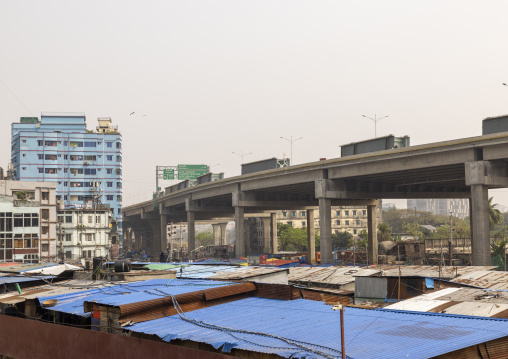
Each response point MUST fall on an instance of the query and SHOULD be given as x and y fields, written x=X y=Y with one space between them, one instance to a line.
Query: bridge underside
x=461 y=170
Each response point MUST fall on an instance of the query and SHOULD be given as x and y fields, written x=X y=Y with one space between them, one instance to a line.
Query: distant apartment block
x=42 y=196
x=457 y=207
x=85 y=164
x=344 y=219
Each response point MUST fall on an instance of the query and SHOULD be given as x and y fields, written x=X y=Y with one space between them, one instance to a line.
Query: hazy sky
x=216 y=77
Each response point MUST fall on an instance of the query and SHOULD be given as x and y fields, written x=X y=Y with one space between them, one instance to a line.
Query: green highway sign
x=168 y=174
x=191 y=172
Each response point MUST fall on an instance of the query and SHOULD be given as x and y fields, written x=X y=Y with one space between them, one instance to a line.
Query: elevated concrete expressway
x=463 y=168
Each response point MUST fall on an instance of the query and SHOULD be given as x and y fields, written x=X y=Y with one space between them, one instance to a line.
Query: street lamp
x=375 y=119
x=242 y=155
x=291 y=140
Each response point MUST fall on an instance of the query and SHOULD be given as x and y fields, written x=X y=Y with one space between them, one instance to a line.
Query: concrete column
x=325 y=230
x=216 y=234
x=275 y=241
x=223 y=233
x=191 y=233
x=372 y=230
x=267 y=229
x=239 y=232
x=481 y=226
x=162 y=245
x=311 y=237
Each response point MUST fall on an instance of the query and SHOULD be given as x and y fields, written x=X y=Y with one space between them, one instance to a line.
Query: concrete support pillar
x=311 y=237
x=267 y=229
x=239 y=232
x=191 y=233
x=372 y=230
x=480 y=225
x=325 y=230
x=162 y=245
x=223 y=233
x=275 y=241
x=216 y=234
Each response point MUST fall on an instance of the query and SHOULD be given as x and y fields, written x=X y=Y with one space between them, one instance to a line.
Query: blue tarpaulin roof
x=369 y=334
x=72 y=303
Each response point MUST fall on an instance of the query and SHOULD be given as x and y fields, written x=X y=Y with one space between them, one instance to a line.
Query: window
x=40 y=156
x=90 y=158
x=304 y=224
x=118 y=145
x=284 y=214
x=40 y=143
x=290 y=224
x=50 y=143
x=18 y=220
x=44 y=230
x=119 y=211
x=66 y=184
x=76 y=158
x=68 y=237
x=76 y=144
x=51 y=171
x=50 y=157
x=90 y=171
x=45 y=214
x=76 y=171
x=24 y=168
x=338 y=222
x=41 y=170
x=336 y=231
x=90 y=144
x=66 y=197
x=66 y=157
x=44 y=248
x=68 y=254
x=109 y=158
x=109 y=171
x=109 y=144
x=304 y=214
x=364 y=212
x=119 y=198
x=24 y=154
x=354 y=231
x=98 y=219
x=66 y=143
x=109 y=184
x=119 y=185
x=109 y=197
x=89 y=236
x=66 y=170
x=45 y=196
x=68 y=219
x=293 y=213
x=90 y=219
x=354 y=213
x=347 y=223
x=357 y=222
x=346 y=213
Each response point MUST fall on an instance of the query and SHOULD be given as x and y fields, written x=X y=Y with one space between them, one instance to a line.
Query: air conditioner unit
x=85 y=163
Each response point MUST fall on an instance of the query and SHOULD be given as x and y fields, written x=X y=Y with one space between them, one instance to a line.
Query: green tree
x=384 y=233
x=293 y=239
x=204 y=239
x=495 y=215
x=281 y=227
x=413 y=229
x=499 y=253
x=363 y=241
x=342 y=240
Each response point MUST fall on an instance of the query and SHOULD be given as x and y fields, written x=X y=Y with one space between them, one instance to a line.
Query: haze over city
x=193 y=82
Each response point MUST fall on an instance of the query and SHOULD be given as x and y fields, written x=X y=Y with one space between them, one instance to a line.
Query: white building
x=19 y=230
x=84 y=233
x=44 y=194
x=459 y=207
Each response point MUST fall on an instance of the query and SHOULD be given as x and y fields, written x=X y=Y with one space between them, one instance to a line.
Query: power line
x=17 y=99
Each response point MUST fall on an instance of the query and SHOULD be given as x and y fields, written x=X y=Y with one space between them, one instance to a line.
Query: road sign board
x=168 y=174
x=191 y=172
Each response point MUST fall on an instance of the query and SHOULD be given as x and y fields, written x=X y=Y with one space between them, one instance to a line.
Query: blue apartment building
x=86 y=164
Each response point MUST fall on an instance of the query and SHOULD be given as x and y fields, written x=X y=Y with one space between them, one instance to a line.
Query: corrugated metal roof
x=420 y=271
x=323 y=275
x=484 y=279
x=369 y=334
x=463 y=301
x=204 y=271
x=247 y=272
x=26 y=267
x=132 y=292
x=19 y=279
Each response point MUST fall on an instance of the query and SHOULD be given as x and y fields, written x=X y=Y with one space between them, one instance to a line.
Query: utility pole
x=450 y=241
x=342 y=341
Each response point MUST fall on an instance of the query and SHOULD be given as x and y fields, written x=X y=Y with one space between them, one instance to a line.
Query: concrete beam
x=492 y=174
x=281 y=179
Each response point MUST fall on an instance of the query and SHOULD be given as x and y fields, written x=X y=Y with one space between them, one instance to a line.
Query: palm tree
x=495 y=215
x=384 y=232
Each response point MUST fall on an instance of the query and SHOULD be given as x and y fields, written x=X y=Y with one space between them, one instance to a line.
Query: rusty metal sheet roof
x=323 y=275
x=448 y=272
x=369 y=334
x=484 y=279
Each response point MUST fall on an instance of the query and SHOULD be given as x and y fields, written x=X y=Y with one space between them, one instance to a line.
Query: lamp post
x=291 y=140
x=375 y=119
x=242 y=155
